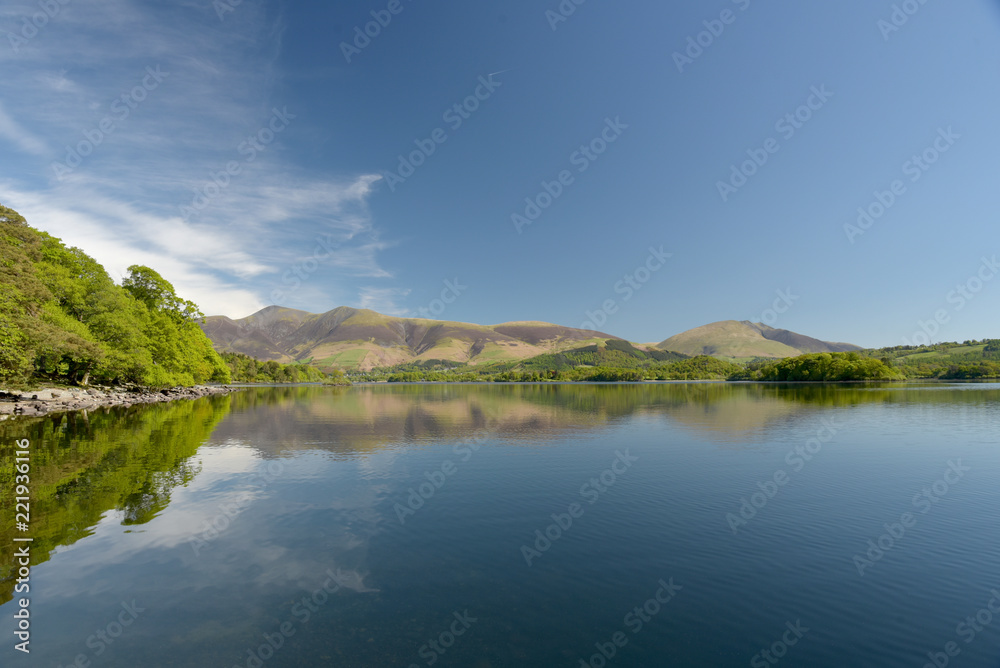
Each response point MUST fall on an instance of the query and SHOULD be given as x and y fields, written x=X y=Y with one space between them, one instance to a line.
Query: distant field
x=349 y=359
x=495 y=353
x=934 y=354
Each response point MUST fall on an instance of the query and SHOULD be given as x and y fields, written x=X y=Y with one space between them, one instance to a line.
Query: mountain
x=350 y=338
x=731 y=338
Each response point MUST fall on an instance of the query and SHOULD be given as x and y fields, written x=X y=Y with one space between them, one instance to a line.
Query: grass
x=494 y=353
x=934 y=354
x=348 y=358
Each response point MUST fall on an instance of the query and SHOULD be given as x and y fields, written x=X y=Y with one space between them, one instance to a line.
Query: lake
x=683 y=524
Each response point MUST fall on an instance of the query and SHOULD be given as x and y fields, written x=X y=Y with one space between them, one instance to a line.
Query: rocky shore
x=60 y=399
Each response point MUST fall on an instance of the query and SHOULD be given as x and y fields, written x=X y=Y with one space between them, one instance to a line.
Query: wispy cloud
x=14 y=134
x=383 y=300
x=112 y=237
x=127 y=199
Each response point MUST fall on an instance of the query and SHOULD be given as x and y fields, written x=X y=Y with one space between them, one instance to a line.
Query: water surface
x=406 y=525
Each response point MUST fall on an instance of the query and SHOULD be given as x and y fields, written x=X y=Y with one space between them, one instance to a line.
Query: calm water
x=687 y=525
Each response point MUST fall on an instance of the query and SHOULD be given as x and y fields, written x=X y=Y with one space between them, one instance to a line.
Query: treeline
x=246 y=369
x=612 y=353
x=943 y=348
x=969 y=360
x=827 y=367
x=951 y=368
x=696 y=368
x=975 y=371
x=64 y=320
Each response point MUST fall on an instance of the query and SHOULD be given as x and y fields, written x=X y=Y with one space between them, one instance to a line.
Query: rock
x=50 y=400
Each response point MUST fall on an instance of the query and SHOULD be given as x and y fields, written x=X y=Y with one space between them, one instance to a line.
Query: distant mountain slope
x=806 y=344
x=731 y=338
x=612 y=353
x=361 y=339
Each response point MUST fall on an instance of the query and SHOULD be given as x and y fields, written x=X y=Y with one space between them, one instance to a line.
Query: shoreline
x=49 y=400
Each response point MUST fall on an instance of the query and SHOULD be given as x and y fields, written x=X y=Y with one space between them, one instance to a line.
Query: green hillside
x=608 y=361
x=728 y=338
x=64 y=320
x=617 y=360
x=948 y=361
x=746 y=340
x=362 y=340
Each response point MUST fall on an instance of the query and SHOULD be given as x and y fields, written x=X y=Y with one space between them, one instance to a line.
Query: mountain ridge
x=362 y=339
x=740 y=339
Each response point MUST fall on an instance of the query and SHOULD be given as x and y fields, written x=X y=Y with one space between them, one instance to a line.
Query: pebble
x=50 y=400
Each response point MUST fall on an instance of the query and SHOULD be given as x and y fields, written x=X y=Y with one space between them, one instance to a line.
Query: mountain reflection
x=129 y=461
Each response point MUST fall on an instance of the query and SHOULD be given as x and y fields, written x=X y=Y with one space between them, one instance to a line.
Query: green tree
x=158 y=294
x=62 y=318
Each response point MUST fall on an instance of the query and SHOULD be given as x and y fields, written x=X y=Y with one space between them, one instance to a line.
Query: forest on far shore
x=619 y=361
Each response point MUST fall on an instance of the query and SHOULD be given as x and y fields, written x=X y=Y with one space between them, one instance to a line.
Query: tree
x=158 y=294
x=63 y=318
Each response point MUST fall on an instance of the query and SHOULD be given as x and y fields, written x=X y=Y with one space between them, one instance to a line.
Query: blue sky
x=249 y=156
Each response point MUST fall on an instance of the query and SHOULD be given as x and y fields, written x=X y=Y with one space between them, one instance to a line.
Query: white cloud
x=12 y=131
x=124 y=204
x=383 y=300
x=191 y=273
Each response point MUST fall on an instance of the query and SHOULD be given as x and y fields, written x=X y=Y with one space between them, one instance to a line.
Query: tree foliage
x=609 y=361
x=63 y=319
x=828 y=367
x=84 y=465
x=246 y=369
